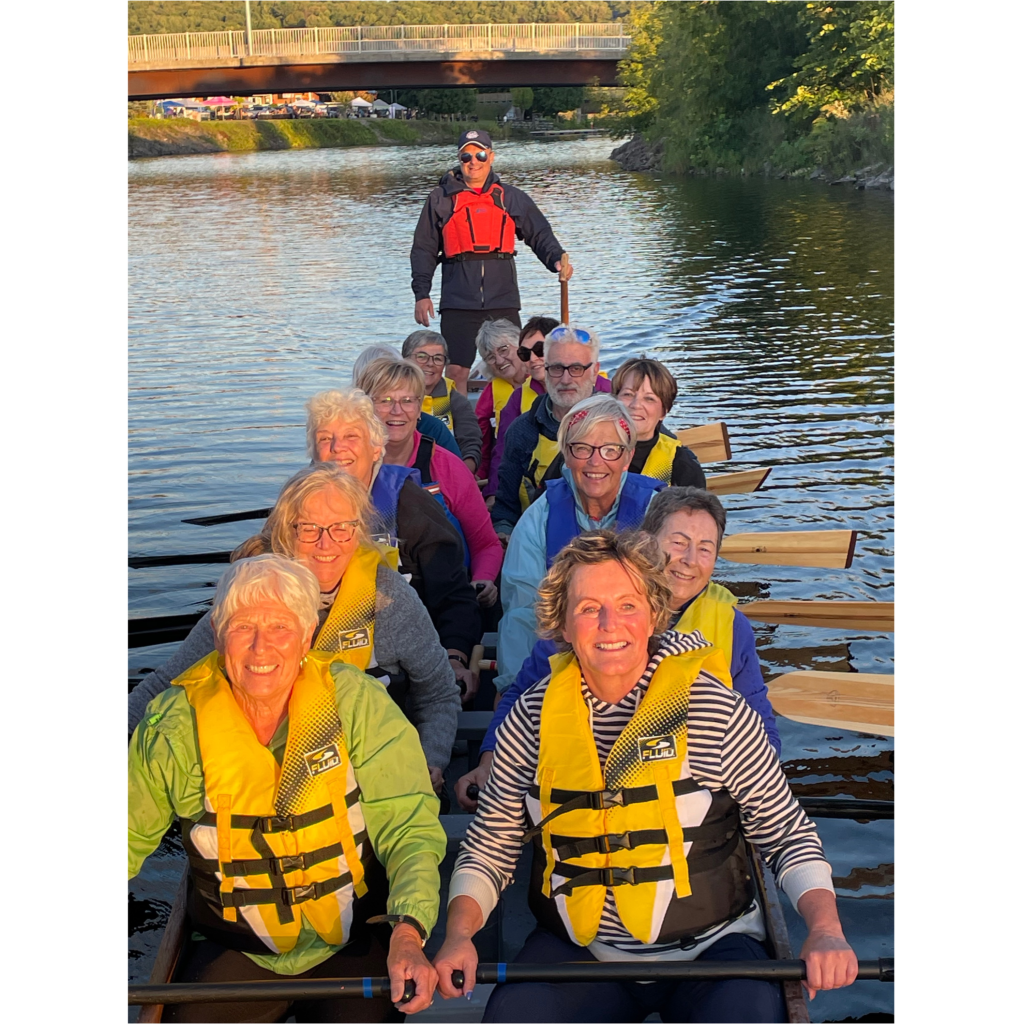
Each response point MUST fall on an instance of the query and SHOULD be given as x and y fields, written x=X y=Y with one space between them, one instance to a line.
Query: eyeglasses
x=525 y=353
x=425 y=358
x=556 y=370
x=500 y=352
x=466 y=158
x=608 y=452
x=407 y=403
x=309 y=533
x=571 y=333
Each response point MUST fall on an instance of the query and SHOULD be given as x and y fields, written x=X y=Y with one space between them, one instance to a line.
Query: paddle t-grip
x=458 y=979
x=409 y=993
x=472 y=793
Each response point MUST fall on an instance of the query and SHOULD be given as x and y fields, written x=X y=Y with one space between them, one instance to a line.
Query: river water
x=255 y=279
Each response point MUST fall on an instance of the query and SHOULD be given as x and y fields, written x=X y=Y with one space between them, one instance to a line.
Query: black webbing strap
x=282 y=865
x=579 y=876
x=569 y=847
x=281 y=822
x=261 y=897
x=472 y=257
x=600 y=800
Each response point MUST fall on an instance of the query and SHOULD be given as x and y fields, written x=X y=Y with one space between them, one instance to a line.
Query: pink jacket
x=461 y=492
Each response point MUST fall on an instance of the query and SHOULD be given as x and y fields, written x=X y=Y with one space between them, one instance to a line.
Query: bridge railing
x=184 y=47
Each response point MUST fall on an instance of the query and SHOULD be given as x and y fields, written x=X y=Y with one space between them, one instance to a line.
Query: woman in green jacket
x=305 y=804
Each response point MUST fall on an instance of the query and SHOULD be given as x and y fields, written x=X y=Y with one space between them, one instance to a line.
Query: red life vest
x=480 y=228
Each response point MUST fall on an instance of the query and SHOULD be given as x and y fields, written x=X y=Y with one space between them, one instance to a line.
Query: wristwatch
x=398 y=919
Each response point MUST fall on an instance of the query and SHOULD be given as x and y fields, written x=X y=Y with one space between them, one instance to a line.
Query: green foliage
x=740 y=85
x=152 y=16
x=551 y=101
x=453 y=101
x=522 y=98
x=849 y=64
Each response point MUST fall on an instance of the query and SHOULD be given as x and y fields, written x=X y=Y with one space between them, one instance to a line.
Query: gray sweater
x=466 y=427
x=404 y=639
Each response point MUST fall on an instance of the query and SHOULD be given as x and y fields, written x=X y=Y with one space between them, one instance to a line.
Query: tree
x=522 y=98
x=551 y=101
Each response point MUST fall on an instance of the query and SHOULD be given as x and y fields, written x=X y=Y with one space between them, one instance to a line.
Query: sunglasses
x=525 y=353
x=560 y=333
x=466 y=158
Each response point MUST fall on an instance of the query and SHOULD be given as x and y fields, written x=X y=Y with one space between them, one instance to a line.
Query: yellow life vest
x=277 y=843
x=440 y=407
x=660 y=461
x=632 y=824
x=529 y=395
x=349 y=627
x=502 y=392
x=713 y=614
x=539 y=462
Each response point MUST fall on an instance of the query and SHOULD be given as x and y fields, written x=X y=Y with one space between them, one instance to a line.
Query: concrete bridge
x=373 y=57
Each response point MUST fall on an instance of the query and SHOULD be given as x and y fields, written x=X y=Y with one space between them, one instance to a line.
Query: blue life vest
x=562 y=524
x=424 y=466
x=386 y=487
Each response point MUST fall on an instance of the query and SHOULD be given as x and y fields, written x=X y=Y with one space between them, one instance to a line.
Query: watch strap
x=400 y=919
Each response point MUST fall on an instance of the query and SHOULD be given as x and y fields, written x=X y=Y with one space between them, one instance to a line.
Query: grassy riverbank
x=149 y=136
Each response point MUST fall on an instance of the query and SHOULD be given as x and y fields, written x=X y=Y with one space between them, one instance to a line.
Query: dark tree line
x=154 y=16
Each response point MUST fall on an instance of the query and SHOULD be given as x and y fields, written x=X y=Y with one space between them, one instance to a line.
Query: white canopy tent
x=394 y=108
x=359 y=102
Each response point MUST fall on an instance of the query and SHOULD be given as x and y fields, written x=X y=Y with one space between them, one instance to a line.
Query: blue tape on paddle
x=367 y=988
x=501 y=972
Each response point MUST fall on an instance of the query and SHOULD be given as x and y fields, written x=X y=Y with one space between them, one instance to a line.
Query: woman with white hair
x=305 y=807
x=596 y=438
x=428 y=350
x=367 y=613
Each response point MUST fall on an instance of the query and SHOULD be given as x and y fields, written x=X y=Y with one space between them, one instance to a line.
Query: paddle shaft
x=488 y=974
x=564 y=287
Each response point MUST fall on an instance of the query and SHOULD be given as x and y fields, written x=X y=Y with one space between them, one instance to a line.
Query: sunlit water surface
x=256 y=279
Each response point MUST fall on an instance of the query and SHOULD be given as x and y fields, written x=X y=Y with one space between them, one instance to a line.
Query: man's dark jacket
x=477 y=284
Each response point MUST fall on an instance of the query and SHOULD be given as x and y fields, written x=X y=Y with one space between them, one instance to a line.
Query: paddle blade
x=229 y=517
x=823 y=549
x=209 y=558
x=709 y=443
x=744 y=482
x=856 y=701
x=851 y=615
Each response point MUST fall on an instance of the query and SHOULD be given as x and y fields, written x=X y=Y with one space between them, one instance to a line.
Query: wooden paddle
x=851 y=615
x=561 y=276
x=859 y=701
x=743 y=482
x=823 y=549
x=709 y=442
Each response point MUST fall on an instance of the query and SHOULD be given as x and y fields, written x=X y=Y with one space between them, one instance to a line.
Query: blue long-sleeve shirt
x=746 y=678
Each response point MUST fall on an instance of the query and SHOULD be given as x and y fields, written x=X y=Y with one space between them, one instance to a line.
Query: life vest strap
x=608 y=877
x=472 y=257
x=569 y=847
x=288 y=896
x=281 y=822
x=297 y=862
x=600 y=800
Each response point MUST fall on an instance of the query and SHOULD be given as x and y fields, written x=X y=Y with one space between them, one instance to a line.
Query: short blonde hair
x=266 y=578
x=306 y=482
x=637 y=552
x=350 y=405
x=385 y=375
x=581 y=418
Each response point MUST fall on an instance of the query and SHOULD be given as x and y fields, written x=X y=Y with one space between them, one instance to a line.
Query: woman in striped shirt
x=639 y=777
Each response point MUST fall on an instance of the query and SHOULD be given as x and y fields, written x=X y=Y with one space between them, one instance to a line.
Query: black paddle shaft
x=697 y=970
x=255 y=991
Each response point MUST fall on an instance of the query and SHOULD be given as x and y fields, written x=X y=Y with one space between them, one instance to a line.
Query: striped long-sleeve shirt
x=727 y=749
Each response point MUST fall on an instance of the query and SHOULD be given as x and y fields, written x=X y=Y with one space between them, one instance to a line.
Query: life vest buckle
x=278 y=823
x=615 y=841
x=282 y=865
x=297 y=894
x=610 y=798
x=617 y=876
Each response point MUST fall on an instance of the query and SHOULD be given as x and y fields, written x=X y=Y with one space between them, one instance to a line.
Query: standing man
x=470 y=223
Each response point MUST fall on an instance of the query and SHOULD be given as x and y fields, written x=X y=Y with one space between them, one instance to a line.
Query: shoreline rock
x=638 y=155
